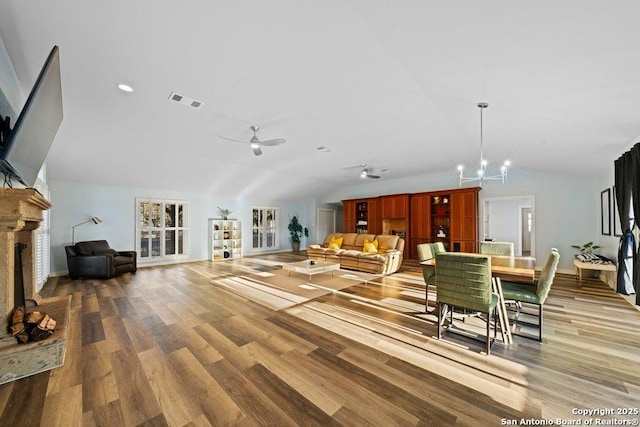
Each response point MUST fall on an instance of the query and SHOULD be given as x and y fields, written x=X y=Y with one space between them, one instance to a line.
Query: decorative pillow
x=335 y=243
x=370 y=248
x=367 y=242
x=315 y=246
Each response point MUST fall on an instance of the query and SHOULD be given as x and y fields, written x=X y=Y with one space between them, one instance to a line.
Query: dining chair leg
x=440 y=317
x=540 y=322
x=488 y=345
x=426 y=298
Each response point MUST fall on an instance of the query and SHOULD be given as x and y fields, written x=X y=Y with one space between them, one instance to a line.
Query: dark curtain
x=624 y=182
x=635 y=153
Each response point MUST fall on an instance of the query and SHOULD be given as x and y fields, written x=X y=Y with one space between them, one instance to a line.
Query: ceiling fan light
x=363 y=174
x=125 y=88
x=255 y=145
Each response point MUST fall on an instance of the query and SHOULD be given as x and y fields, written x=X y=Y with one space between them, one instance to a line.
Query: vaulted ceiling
x=391 y=84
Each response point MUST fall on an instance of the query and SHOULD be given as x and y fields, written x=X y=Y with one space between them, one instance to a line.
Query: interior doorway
x=326 y=223
x=510 y=219
x=526 y=220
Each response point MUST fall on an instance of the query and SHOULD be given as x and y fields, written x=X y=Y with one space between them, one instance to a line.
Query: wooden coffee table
x=306 y=267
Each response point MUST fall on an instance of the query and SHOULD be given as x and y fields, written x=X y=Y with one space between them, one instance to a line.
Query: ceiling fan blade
x=373 y=176
x=234 y=140
x=257 y=151
x=273 y=142
x=363 y=165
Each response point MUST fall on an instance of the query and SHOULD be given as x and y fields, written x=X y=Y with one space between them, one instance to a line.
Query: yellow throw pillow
x=367 y=242
x=335 y=243
x=370 y=248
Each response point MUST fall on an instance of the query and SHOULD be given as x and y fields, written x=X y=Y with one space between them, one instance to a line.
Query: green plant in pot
x=587 y=248
x=296 y=230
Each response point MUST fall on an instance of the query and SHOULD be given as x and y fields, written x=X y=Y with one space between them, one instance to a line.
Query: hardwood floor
x=168 y=347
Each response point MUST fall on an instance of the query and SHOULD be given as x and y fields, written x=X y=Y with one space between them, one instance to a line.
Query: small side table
x=580 y=265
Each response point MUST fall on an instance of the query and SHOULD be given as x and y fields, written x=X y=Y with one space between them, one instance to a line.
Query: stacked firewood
x=32 y=326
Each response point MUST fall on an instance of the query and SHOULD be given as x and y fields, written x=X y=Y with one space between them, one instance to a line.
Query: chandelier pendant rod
x=482 y=172
x=483 y=165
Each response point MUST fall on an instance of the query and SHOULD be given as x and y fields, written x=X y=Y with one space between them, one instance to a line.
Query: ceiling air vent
x=185 y=100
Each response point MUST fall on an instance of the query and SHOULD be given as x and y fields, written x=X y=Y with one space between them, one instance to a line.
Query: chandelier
x=483 y=174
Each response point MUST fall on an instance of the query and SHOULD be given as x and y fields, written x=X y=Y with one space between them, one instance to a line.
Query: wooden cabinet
x=396 y=206
x=419 y=220
x=441 y=219
x=448 y=216
x=361 y=216
x=375 y=224
x=348 y=216
x=394 y=211
x=464 y=221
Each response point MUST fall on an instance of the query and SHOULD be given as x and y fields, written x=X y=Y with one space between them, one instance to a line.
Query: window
x=161 y=229
x=265 y=228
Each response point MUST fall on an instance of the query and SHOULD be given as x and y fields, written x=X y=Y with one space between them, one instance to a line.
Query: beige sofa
x=351 y=255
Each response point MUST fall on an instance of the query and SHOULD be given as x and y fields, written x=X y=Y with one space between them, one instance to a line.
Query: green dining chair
x=425 y=253
x=533 y=294
x=464 y=281
x=496 y=248
x=438 y=248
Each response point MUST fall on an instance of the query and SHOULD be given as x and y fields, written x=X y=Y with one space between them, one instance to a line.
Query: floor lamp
x=94 y=219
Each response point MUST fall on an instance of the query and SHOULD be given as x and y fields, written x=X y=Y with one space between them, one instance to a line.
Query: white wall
x=608 y=244
x=11 y=94
x=567 y=210
x=74 y=203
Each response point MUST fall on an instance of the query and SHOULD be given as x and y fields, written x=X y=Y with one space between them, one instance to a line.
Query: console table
x=581 y=265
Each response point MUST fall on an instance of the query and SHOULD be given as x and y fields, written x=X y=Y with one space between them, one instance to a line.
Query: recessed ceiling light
x=125 y=88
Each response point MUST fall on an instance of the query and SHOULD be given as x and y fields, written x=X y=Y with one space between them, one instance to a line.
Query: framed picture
x=605 y=211
x=617 y=229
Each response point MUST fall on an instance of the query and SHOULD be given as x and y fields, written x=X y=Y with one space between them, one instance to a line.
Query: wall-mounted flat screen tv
x=25 y=150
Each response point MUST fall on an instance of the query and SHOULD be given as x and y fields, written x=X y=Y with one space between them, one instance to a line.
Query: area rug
x=279 y=289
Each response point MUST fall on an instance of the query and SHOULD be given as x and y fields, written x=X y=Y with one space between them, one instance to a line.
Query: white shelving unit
x=225 y=239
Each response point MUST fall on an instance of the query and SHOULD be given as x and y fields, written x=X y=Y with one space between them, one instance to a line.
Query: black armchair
x=96 y=260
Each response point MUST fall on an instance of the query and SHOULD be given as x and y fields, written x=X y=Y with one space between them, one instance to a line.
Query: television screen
x=25 y=150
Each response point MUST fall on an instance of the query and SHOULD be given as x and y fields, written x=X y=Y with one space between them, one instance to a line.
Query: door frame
x=532 y=203
x=333 y=212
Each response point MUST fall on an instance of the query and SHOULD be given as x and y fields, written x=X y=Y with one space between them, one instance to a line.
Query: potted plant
x=587 y=248
x=295 y=232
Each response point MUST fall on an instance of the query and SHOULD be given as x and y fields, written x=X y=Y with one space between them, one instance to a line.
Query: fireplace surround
x=20 y=214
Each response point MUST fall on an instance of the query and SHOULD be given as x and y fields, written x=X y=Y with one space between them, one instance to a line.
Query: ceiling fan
x=366 y=172
x=256 y=143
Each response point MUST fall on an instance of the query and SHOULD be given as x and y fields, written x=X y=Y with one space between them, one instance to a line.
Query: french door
x=161 y=230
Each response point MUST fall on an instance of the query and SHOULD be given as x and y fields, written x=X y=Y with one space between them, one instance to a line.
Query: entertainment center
x=447 y=216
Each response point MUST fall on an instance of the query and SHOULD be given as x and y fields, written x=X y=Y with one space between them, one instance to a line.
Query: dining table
x=514 y=268
x=503 y=267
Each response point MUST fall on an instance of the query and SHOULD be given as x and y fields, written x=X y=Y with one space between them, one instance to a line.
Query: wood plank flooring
x=167 y=347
